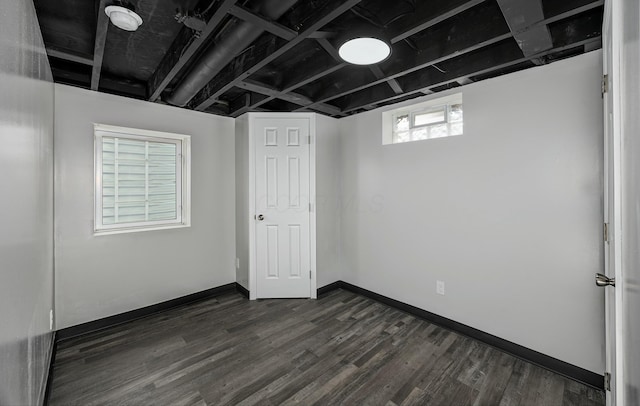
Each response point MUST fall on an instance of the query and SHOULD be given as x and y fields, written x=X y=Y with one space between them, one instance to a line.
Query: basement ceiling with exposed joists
x=228 y=57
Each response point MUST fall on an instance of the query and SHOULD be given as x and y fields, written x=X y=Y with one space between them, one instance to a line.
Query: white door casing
x=283 y=222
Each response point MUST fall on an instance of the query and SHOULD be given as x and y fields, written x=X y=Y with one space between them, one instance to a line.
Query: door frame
x=253 y=266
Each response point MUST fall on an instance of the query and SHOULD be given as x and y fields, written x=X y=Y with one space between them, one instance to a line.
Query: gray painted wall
x=106 y=275
x=328 y=201
x=26 y=206
x=509 y=215
x=243 y=217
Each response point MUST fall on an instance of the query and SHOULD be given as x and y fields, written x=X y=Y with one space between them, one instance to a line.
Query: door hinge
x=310 y=275
x=607 y=381
x=309 y=139
x=605 y=84
x=605 y=232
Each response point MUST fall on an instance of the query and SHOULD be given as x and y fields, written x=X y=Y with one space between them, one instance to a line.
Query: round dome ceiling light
x=365 y=51
x=123 y=18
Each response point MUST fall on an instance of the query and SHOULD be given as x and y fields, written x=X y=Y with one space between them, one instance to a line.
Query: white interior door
x=612 y=206
x=628 y=283
x=282 y=207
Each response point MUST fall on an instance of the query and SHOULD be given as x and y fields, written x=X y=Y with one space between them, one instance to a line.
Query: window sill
x=100 y=233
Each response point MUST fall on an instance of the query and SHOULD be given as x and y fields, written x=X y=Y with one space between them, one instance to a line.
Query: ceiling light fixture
x=123 y=18
x=365 y=50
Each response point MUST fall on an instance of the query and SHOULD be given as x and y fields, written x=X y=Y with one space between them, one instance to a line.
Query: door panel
x=282 y=176
x=630 y=181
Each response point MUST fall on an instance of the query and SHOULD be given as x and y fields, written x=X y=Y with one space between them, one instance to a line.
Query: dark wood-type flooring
x=341 y=349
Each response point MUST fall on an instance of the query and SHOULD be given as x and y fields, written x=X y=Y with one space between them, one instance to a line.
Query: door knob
x=260 y=217
x=604 y=280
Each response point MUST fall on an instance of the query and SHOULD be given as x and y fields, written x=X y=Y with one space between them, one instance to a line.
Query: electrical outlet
x=51 y=319
x=440 y=287
x=237 y=263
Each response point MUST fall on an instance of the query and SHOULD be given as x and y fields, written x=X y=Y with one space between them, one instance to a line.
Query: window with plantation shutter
x=142 y=180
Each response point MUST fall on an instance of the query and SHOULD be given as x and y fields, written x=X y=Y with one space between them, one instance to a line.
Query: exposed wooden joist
x=242 y=66
x=263 y=23
x=183 y=49
x=330 y=49
x=422 y=60
x=475 y=36
x=422 y=88
x=524 y=18
x=308 y=72
x=102 y=26
x=322 y=34
x=464 y=81
x=416 y=21
x=247 y=102
x=468 y=41
x=393 y=84
x=69 y=56
x=291 y=97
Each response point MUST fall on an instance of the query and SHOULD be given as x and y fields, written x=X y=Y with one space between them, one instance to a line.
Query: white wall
x=243 y=217
x=328 y=201
x=509 y=215
x=106 y=275
x=26 y=206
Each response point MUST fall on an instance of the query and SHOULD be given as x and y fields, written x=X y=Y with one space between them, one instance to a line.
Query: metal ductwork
x=232 y=42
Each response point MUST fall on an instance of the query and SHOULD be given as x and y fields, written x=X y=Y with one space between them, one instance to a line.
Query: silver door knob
x=604 y=280
x=260 y=217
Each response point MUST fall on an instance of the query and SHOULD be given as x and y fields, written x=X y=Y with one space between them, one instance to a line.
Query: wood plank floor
x=343 y=349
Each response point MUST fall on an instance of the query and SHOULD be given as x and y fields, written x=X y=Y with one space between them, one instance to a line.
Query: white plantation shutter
x=140 y=180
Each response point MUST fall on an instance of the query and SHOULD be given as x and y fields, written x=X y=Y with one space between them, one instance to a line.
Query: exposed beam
x=290 y=86
x=242 y=66
x=468 y=41
x=69 y=56
x=322 y=34
x=183 y=49
x=414 y=23
x=245 y=103
x=102 y=26
x=572 y=12
x=524 y=18
x=330 y=49
x=393 y=84
x=441 y=47
x=306 y=73
x=263 y=23
x=423 y=88
x=291 y=97
x=464 y=81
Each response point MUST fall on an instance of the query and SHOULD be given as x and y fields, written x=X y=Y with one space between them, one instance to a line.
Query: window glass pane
x=455 y=113
x=401 y=123
x=430 y=117
x=138 y=181
x=403 y=136
x=419 y=134
x=438 y=131
x=456 y=128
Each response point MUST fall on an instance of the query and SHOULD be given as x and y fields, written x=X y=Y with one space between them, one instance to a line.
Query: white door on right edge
x=282 y=181
x=612 y=209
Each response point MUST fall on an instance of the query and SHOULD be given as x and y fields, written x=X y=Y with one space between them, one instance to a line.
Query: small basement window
x=142 y=180
x=435 y=118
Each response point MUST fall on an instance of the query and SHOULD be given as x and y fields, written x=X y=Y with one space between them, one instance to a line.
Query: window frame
x=427 y=110
x=183 y=179
x=389 y=117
